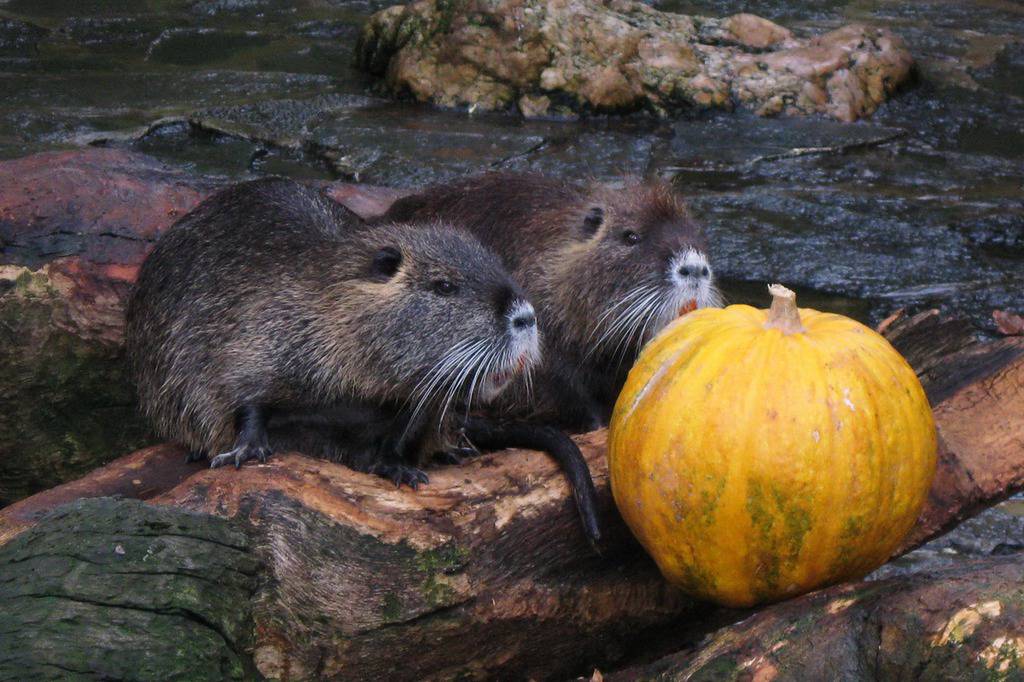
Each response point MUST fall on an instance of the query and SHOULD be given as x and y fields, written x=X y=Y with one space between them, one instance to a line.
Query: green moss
x=447 y=559
x=67 y=405
x=391 y=609
x=446 y=12
x=23 y=281
x=189 y=610
x=1007 y=663
x=435 y=592
x=436 y=564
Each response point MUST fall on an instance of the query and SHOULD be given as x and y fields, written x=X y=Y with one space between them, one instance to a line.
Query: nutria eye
x=630 y=237
x=443 y=287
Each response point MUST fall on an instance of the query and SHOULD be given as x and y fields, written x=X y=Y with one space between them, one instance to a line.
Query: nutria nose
x=521 y=317
x=689 y=268
x=524 y=321
x=694 y=271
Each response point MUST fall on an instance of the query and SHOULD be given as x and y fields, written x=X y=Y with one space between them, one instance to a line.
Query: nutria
x=606 y=267
x=271 y=318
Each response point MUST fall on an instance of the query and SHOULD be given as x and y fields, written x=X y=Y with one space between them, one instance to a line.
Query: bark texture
x=963 y=624
x=302 y=568
x=485 y=571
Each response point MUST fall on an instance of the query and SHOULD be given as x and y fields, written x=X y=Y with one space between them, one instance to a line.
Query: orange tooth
x=688 y=307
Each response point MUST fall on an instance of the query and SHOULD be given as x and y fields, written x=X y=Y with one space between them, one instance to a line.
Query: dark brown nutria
x=607 y=267
x=271 y=318
x=270 y=308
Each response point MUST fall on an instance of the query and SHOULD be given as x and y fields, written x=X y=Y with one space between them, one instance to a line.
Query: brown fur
x=565 y=243
x=271 y=294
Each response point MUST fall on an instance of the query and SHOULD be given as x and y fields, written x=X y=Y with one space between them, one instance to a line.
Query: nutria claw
x=242 y=453
x=401 y=473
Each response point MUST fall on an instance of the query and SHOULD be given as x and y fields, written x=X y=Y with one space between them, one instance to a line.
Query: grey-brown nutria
x=607 y=267
x=270 y=318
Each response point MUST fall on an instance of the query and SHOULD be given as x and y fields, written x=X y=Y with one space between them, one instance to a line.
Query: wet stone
x=998 y=531
x=131 y=34
x=65 y=8
x=19 y=38
x=201 y=45
x=496 y=54
x=284 y=119
x=214 y=7
x=737 y=140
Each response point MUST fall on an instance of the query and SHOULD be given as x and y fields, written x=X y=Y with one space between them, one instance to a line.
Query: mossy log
x=484 y=572
x=74 y=228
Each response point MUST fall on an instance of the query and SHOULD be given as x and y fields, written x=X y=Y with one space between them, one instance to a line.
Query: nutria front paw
x=242 y=453
x=401 y=473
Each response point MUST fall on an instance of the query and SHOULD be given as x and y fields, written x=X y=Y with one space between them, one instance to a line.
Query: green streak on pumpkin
x=797 y=521
x=768 y=561
x=853 y=528
x=709 y=502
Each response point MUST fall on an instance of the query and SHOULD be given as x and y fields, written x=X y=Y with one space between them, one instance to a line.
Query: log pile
x=151 y=568
x=334 y=574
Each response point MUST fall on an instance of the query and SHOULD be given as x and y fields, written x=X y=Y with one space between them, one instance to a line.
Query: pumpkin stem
x=783 y=314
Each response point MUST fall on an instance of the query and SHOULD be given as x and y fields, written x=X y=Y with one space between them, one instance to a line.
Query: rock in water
x=559 y=57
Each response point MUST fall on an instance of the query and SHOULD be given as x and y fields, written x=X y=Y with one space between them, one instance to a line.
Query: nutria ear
x=386 y=261
x=593 y=220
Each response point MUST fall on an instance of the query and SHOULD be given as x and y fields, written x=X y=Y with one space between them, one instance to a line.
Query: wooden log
x=960 y=624
x=976 y=391
x=484 y=572
x=120 y=590
x=74 y=228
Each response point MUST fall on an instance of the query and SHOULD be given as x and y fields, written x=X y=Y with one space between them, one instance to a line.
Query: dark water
x=923 y=205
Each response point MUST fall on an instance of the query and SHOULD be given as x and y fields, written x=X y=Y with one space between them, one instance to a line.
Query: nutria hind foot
x=251 y=442
x=401 y=473
x=395 y=449
x=458 y=452
x=241 y=454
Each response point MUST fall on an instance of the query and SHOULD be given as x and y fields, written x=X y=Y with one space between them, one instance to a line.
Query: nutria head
x=633 y=261
x=435 y=317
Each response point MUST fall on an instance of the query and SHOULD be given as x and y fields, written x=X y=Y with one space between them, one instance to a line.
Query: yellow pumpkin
x=761 y=454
